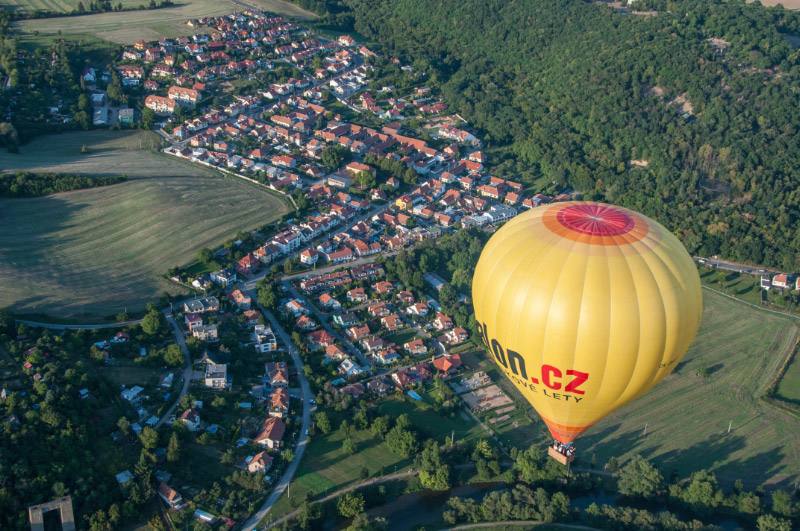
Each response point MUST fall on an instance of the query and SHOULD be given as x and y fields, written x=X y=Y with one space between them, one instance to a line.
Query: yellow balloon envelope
x=585 y=306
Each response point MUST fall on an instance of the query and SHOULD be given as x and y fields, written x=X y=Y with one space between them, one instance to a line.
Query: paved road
x=90 y=326
x=302 y=440
x=187 y=368
x=727 y=265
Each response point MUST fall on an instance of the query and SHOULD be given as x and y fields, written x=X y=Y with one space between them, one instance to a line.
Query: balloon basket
x=559 y=457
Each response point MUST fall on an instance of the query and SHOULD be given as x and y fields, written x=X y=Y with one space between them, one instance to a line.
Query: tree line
x=25 y=184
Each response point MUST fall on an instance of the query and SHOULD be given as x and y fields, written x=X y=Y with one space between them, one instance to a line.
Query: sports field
x=93 y=253
x=128 y=27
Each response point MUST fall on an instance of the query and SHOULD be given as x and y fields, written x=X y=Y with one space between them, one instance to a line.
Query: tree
x=124 y=425
x=702 y=492
x=205 y=256
x=350 y=504
x=267 y=295
x=782 y=503
x=307 y=514
x=333 y=156
x=173 y=355
x=361 y=522
x=365 y=179
x=638 y=478
x=114 y=90
x=401 y=441
x=348 y=446
x=433 y=473
x=322 y=422
x=173 y=449
x=528 y=463
x=148 y=118
x=152 y=322
x=379 y=427
x=149 y=438
x=767 y=522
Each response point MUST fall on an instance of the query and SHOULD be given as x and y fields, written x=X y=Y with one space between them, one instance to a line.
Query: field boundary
x=771 y=396
x=268 y=187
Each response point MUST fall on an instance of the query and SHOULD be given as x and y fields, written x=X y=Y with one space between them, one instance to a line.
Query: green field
x=325 y=467
x=95 y=252
x=59 y=6
x=789 y=387
x=687 y=417
x=128 y=27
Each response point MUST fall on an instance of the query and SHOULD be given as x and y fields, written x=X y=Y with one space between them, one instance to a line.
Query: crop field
x=127 y=27
x=97 y=252
x=687 y=415
x=59 y=6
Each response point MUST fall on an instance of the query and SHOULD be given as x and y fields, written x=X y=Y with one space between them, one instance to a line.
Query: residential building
x=271 y=434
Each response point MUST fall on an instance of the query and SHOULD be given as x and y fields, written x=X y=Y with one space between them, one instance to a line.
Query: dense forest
x=688 y=114
x=24 y=184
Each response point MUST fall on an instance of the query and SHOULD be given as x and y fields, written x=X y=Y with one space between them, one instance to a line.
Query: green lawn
x=789 y=388
x=428 y=421
x=687 y=417
x=93 y=253
x=325 y=467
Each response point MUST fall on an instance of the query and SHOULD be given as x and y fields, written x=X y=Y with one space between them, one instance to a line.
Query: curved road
x=302 y=440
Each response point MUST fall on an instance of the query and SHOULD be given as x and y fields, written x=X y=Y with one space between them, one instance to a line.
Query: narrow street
x=302 y=439
x=187 y=368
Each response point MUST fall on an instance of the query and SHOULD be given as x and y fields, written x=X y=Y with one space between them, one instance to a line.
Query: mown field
x=60 y=6
x=94 y=253
x=789 y=387
x=687 y=416
x=130 y=26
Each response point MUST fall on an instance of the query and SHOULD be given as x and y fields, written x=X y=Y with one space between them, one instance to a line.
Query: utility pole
x=730 y=425
x=645 y=430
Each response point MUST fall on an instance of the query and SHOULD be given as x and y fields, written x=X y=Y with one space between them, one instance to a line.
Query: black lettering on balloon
x=517 y=364
x=499 y=354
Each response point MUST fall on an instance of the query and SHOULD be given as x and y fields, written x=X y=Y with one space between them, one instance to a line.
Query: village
x=372 y=172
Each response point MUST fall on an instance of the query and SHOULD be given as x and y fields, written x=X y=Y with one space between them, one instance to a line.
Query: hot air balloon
x=585 y=306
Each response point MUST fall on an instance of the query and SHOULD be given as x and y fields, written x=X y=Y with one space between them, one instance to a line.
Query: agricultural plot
x=789 y=387
x=129 y=26
x=94 y=253
x=687 y=415
x=59 y=6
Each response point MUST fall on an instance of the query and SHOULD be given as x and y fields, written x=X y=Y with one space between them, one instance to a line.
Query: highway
x=302 y=439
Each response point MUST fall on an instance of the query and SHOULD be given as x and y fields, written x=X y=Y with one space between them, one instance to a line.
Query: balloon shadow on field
x=712 y=454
